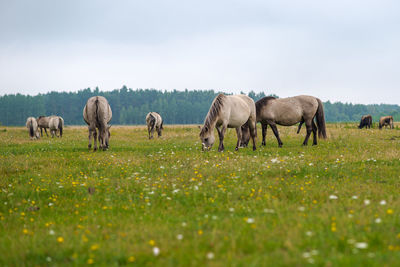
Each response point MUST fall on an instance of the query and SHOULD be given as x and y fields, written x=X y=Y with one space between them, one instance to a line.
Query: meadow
x=165 y=202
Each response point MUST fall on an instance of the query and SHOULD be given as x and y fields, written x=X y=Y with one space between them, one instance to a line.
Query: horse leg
x=95 y=139
x=239 y=137
x=221 y=134
x=158 y=131
x=90 y=137
x=276 y=133
x=45 y=130
x=301 y=123
x=253 y=132
x=309 y=129
x=41 y=131
x=264 y=127
x=314 y=130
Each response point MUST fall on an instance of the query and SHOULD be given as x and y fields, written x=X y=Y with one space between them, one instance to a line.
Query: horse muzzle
x=204 y=147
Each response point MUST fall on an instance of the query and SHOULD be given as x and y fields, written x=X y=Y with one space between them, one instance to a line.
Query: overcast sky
x=337 y=50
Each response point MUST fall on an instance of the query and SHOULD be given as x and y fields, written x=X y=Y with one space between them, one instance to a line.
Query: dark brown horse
x=366 y=121
x=386 y=121
x=289 y=111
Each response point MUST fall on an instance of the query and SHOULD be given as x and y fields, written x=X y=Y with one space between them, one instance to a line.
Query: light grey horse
x=56 y=123
x=289 y=111
x=32 y=126
x=154 y=121
x=228 y=111
x=43 y=123
x=97 y=114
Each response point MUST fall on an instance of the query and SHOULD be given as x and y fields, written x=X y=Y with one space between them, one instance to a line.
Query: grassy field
x=165 y=202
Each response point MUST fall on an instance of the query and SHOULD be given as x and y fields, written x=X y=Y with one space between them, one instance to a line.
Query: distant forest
x=131 y=106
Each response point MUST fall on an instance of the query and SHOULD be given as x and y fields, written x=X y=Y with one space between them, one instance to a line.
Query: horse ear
x=199 y=127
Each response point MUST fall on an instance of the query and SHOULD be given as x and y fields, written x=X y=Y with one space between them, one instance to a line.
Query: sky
x=339 y=50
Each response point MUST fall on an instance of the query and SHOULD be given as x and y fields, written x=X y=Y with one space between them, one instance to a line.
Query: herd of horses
x=366 y=121
x=55 y=124
x=226 y=111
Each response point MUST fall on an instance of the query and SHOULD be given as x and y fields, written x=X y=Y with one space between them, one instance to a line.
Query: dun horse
x=230 y=111
x=32 y=126
x=43 y=123
x=366 y=121
x=386 y=121
x=289 y=111
x=97 y=114
x=56 y=123
x=154 y=121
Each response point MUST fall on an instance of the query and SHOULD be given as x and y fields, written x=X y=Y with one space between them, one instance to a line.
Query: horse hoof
x=236 y=148
x=254 y=149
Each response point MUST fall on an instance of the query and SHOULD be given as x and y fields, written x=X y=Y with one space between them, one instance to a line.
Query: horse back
x=288 y=111
x=238 y=109
x=97 y=111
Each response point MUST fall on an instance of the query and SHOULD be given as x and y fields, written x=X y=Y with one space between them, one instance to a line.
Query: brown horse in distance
x=386 y=121
x=366 y=121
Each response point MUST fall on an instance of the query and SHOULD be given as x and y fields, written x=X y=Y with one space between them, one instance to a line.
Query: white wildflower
x=361 y=245
x=210 y=255
x=156 y=251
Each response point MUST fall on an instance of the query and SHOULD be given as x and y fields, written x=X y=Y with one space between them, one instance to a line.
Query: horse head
x=104 y=137
x=207 y=138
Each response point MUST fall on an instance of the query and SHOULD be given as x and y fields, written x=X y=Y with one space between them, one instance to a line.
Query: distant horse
x=386 y=121
x=366 y=121
x=56 y=123
x=228 y=111
x=32 y=125
x=154 y=121
x=43 y=123
x=289 y=111
x=97 y=114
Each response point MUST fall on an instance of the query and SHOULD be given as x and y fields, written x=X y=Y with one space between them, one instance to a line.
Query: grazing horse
x=289 y=111
x=43 y=123
x=154 y=121
x=56 y=123
x=366 y=121
x=228 y=111
x=97 y=114
x=386 y=121
x=32 y=125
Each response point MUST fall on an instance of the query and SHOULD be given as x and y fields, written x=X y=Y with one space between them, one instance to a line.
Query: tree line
x=131 y=106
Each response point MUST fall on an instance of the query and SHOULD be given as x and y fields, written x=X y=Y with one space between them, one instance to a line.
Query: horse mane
x=263 y=102
x=215 y=108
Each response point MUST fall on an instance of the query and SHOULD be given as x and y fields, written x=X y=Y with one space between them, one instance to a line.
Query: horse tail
x=321 y=120
x=31 y=132
x=96 y=115
x=152 y=122
x=162 y=125
x=60 y=126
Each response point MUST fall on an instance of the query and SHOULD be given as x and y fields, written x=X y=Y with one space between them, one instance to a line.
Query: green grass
x=273 y=207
